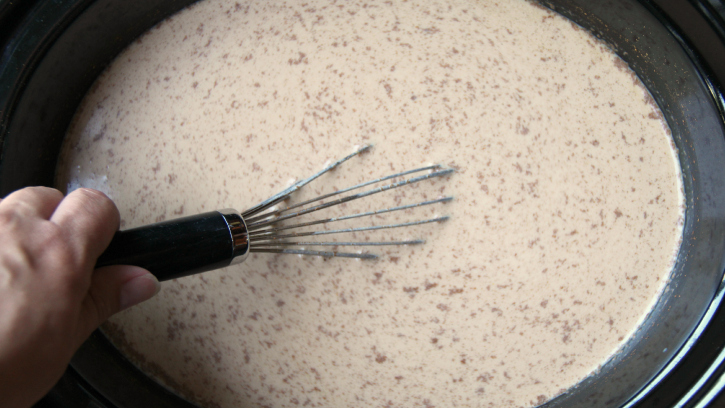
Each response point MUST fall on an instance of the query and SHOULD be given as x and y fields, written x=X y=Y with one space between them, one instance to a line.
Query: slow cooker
x=52 y=51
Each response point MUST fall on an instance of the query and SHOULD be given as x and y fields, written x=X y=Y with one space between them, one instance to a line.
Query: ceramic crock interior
x=63 y=46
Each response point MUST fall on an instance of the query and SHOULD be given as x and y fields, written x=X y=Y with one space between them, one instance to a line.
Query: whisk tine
x=261 y=220
x=258 y=226
x=332 y=243
x=261 y=237
x=326 y=254
x=282 y=195
x=361 y=185
x=263 y=223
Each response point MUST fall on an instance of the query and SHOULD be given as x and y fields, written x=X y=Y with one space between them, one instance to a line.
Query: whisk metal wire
x=197 y=243
x=365 y=214
x=284 y=194
x=263 y=220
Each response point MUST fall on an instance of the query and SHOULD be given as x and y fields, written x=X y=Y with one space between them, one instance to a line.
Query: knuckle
x=44 y=191
x=15 y=261
x=31 y=201
x=18 y=209
x=40 y=193
x=9 y=220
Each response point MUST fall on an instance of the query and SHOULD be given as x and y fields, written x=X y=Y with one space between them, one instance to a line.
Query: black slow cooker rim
x=28 y=27
x=37 y=28
x=708 y=75
x=671 y=386
x=708 y=78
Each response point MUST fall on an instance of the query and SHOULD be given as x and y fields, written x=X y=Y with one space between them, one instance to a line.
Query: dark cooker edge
x=697 y=381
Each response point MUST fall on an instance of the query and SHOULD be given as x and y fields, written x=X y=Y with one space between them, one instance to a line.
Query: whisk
x=216 y=239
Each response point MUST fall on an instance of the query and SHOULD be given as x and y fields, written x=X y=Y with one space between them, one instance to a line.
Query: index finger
x=90 y=219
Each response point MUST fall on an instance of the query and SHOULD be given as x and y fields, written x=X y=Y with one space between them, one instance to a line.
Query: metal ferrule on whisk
x=239 y=235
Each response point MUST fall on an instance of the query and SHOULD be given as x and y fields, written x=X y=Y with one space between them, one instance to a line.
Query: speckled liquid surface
x=566 y=218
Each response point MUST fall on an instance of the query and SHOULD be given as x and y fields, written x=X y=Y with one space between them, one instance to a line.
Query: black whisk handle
x=182 y=246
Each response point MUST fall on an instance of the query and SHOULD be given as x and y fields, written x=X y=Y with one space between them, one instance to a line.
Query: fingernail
x=139 y=289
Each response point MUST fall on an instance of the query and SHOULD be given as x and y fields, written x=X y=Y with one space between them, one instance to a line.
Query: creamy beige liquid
x=566 y=219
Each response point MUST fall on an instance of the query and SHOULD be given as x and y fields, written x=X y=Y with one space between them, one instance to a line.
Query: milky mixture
x=566 y=219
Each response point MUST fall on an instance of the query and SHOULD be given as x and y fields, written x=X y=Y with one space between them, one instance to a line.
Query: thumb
x=114 y=288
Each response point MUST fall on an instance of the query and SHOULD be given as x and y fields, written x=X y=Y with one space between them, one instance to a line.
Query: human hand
x=51 y=299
